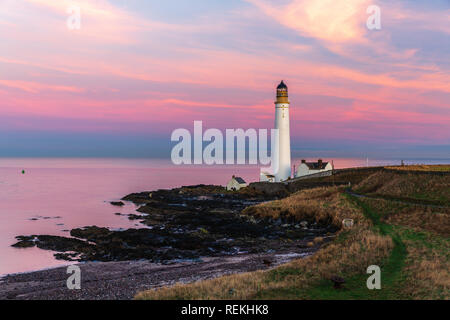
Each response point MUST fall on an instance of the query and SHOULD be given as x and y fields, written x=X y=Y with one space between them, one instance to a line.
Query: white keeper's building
x=236 y=183
x=307 y=168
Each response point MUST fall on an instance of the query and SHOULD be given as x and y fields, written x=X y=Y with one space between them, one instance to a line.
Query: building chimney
x=320 y=163
x=303 y=161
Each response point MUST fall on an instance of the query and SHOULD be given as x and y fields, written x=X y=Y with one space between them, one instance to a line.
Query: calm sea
x=53 y=196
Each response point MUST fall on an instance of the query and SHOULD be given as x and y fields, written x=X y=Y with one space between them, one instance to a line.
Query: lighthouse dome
x=282 y=86
x=282 y=91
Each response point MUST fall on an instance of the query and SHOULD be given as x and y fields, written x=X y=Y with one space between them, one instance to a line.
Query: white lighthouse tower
x=282 y=156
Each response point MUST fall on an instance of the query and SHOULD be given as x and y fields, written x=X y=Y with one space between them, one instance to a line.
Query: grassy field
x=409 y=241
x=423 y=167
x=412 y=187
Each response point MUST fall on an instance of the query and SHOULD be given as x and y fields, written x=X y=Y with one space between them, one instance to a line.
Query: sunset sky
x=136 y=70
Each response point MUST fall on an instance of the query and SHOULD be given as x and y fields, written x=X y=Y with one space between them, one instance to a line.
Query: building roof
x=239 y=180
x=316 y=165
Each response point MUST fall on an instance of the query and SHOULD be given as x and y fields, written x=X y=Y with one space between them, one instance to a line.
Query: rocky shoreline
x=123 y=280
x=184 y=231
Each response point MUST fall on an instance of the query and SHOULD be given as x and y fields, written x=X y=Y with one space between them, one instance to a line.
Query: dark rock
x=63 y=244
x=24 y=244
x=185 y=223
x=117 y=203
x=138 y=198
x=337 y=282
x=270 y=189
x=54 y=243
x=90 y=233
x=267 y=262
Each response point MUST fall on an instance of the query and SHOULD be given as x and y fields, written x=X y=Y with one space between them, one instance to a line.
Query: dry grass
x=321 y=205
x=416 y=265
x=430 y=276
x=425 y=232
x=349 y=255
x=423 y=167
x=361 y=248
x=423 y=219
x=417 y=217
x=353 y=175
x=420 y=187
x=427 y=266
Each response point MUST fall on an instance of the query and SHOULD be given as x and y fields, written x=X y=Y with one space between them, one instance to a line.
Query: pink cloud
x=329 y=20
x=34 y=87
x=94 y=75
